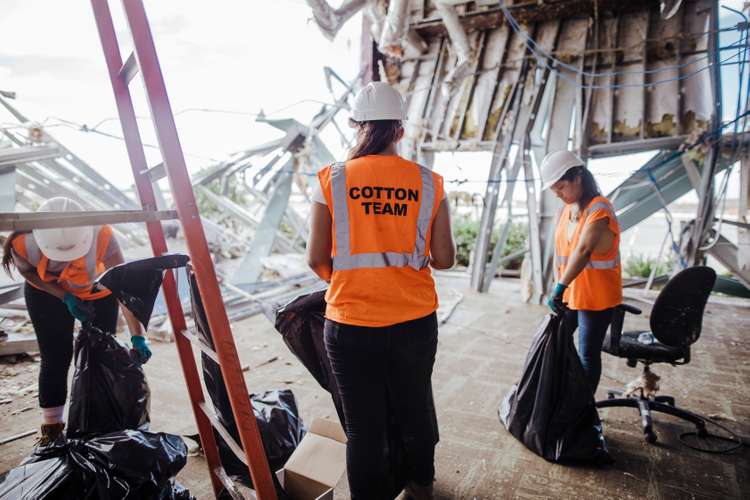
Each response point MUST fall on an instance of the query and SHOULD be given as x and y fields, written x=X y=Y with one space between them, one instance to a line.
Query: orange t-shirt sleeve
x=104 y=241
x=18 y=251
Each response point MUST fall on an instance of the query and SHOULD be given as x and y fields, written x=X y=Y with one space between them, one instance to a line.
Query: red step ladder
x=144 y=60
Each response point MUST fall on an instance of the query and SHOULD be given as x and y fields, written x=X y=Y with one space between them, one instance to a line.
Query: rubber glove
x=139 y=345
x=77 y=308
x=555 y=300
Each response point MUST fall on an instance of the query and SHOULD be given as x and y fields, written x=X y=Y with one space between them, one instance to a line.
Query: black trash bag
x=126 y=464
x=136 y=284
x=301 y=323
x=109 y=391
x=276 y=413
x=552 y=410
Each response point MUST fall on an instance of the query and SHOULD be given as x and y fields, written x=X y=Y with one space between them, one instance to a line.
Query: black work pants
x=384 y=379
x=53 y=325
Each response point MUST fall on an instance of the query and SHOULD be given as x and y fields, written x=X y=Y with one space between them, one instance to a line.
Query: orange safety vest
x=599 y=286
x=382 y=209
x=79 y=275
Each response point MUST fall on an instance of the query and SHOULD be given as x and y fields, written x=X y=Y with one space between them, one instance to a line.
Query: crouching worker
x=587 y=253
x=60 y=267
x=378 y=223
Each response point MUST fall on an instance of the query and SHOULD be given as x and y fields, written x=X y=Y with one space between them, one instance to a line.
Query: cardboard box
x=316 y=466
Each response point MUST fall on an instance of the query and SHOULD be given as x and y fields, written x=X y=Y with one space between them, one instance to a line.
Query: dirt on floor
x=481 y=354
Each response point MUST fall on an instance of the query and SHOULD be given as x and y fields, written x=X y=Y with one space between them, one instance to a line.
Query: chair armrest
x=612 y=339
x=629 y=308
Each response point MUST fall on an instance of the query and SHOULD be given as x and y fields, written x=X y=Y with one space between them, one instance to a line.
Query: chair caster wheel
x=650 y=437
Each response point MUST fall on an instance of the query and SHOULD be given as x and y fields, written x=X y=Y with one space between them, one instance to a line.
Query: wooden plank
x=49 y=220
x=479 y=106
x=455 y=120
x=663 y=101
x=17 y=343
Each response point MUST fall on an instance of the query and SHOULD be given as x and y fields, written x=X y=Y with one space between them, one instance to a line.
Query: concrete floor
x=481 y=353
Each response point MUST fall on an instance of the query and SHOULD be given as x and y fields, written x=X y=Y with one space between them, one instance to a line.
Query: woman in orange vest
x=379 y=222
x=587 y=253
x=60 y=267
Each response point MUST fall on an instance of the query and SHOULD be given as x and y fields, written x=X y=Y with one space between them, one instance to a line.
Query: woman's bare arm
x=442 y=247
x=31 y=275
x=319 y=244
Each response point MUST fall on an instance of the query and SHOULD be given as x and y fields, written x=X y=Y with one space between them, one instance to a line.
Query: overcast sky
x=241 y=56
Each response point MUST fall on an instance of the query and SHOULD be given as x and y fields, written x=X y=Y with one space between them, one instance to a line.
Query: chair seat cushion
x=657 y=352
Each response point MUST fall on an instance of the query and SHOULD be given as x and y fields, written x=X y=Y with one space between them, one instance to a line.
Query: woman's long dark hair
x=588 y=184
x=374 y=137
x=7 y=250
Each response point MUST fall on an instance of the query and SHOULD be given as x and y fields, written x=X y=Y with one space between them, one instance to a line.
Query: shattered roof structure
x=521 y=79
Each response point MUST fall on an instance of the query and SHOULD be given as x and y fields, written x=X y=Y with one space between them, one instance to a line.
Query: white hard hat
x=378 y=101
x=555 y=165
x=63 y=244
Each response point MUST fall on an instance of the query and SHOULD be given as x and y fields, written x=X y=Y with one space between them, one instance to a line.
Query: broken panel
x=492 y=57
x=629 y=102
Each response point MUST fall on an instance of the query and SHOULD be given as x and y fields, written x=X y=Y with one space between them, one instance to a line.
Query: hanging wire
x=538 y=50
x=721 y=198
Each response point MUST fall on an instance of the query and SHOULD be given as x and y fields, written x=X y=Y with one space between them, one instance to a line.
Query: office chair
x=676 y=321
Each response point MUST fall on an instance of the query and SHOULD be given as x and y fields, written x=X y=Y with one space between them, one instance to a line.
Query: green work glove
x=555 y=300
x=139 y=345
x=77 y=308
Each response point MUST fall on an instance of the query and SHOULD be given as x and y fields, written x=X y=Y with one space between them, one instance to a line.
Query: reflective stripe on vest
x=34 y=256
x=562 y=260
x=344 y=260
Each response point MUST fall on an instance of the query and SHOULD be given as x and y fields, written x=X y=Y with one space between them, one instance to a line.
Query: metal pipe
x=395 y=33
x=330 y=20
x=395 y=27
x=461 y=46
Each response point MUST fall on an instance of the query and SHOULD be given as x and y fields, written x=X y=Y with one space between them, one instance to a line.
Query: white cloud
x=230 y=54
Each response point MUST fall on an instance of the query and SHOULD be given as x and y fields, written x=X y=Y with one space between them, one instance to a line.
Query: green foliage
x=465 y=232
x=639 y=266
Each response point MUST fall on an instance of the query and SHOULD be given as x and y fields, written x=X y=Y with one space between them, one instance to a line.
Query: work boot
x=416 y=491
x=50 y=434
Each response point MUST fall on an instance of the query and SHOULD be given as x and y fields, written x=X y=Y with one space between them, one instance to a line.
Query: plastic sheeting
x=276 y=412
x=121 y=465
x=300 y=323
x=136 y=284
x=109 y=392
x=552 y=410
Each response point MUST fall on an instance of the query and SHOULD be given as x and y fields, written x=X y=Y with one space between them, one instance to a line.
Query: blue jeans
x=592 y=327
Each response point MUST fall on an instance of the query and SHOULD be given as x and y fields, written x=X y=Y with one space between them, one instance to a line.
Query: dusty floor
x=482 y=349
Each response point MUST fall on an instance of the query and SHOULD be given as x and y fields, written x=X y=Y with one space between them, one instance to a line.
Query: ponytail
x=8 y=250
x=374 y=136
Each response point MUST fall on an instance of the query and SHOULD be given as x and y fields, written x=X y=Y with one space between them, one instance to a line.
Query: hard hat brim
x=549 y=184
x=80 y=249
x=372 y=116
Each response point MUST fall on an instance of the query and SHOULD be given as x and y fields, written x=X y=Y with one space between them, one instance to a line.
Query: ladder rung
x=156 y=173
x=129 y=69
x=47 y=220
x=229 y=486
x=197 y=342
x=223 y=432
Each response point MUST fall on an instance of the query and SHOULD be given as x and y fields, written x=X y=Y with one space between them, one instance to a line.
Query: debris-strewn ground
x=482 y=349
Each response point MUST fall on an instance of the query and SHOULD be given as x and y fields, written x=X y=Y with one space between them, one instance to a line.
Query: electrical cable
x=734 y=438
x=721 y=198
